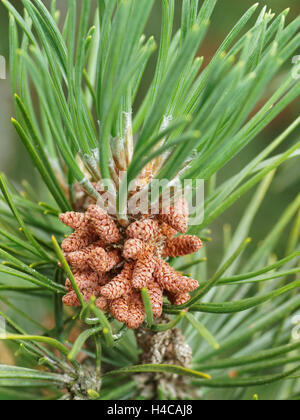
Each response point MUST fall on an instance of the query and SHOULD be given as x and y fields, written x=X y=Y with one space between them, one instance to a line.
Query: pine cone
x=114 y=265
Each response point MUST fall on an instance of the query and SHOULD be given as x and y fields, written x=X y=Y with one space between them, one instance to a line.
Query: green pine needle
x=89 y=88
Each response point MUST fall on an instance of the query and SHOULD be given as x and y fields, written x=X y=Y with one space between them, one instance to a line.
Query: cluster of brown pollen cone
x=114 y=264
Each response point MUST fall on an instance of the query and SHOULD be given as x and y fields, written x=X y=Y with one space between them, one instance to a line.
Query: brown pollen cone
x=182 y=245
x=176 y=216
x=143 y=271
x=133 y=249
x=103 y=224
x=72 y=219
x=114 y=264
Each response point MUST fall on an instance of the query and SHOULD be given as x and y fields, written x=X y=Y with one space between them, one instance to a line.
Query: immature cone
x=79 y=260
x=182 y=245
x=167 y=230
x=176 y=216
x=102 y=261
x=120 y=285
x=156 y=296
x=80 y=239
x=178 y=299
x=71 y=299
x=133 y=249
x=172 y=281
x=103 y=224
x=84 y=280
x=84 y=258
x=136 y=313
x=143 y=271
x=145 y=230
x=102 y=303
x=119 y=308
x=114 y=264
x=72 y=219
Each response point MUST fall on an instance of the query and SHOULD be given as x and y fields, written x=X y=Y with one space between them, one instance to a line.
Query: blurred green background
x=15 y=162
